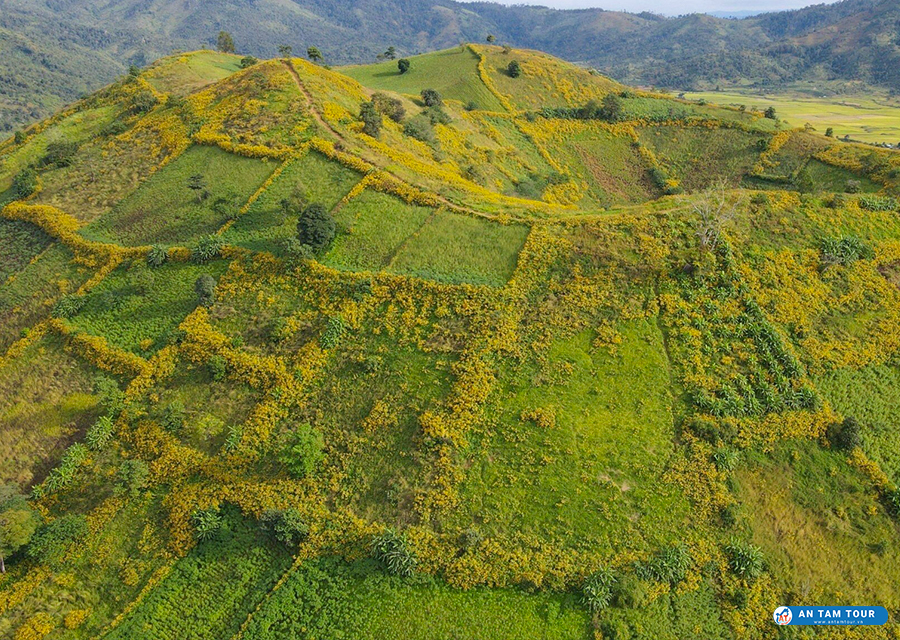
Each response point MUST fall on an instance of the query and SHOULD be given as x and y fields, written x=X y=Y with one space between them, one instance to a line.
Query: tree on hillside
x=432 y=98
x=225 y=43
x=713 y=209
x=285 y=51
x=612 y=108
x=248 y=61
x=403 y=65
x=390 y=54
x=371 y=119
x=514 y=69
x=25 y=183
x=770 y=113
x=197 y=184
x=388 y=106
x=829 y=132
x=491 y=38
x=314 y=54
x=18 y=522
x=316 y=227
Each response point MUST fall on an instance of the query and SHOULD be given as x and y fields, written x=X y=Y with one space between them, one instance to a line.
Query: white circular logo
x=783 y=615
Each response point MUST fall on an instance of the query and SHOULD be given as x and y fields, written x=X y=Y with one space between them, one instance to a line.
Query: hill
x=291 y=352
x=55 y=51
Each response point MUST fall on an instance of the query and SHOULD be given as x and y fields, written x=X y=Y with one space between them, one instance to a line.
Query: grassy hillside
x=283 y=358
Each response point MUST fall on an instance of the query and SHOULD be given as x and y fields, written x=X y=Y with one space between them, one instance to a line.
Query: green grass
x=872 y=396
x=697 y=157
x=863 y=117
x=371 y=228
x=595 y=478
x=209 y=593
x=453 y=73
x=820 y=525
x=45 y=402
x=314 y=178
x=185 y=74
x=21 y=242
x=457 y=248
x=28 y=297
x=136 y=303
x=164 y=210
x=328 y=598
x=78 y=127
x=836 y=179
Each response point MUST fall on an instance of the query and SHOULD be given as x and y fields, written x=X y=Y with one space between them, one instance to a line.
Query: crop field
x=575 y=361
x=862 y=117
x=165 y=208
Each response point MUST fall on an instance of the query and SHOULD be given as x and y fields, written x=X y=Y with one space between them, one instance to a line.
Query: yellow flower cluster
x=97 y=351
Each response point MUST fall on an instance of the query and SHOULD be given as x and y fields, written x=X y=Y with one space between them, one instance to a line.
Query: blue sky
x=674 y=7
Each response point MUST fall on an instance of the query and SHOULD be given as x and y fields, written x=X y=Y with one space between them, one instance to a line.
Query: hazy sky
x=675 y=7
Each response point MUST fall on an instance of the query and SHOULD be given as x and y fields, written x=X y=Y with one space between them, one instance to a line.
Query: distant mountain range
x=52 y=51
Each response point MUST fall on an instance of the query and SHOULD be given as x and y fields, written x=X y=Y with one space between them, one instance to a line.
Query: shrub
x=745 y=560
x=403 y=65
x=227 y=206
x=845 y=435
x=844 y=251
x=143 y=102
x=248 y=61
x=316 y=227
x=132 y=477
x=205 y=288
x=334 y=330
x=25 y=183
x=853 y=186
x=68 y=306
x=394 y=554
x=892 y=499
x=514 y=69
x=388 y=106
x=49 y=543
x=770 y=113
x=59 y=154
x=100 y=434
x=597 y=591
x=217 y=369
x=19 y=137
x=420 y=128
x=432 y=98
x=668 y=565
x=725 y=459
x=371 y=119
x=471 y=106
x=878 y=203
x=157 y=256
x=837 y=201
x=172 y=418
x=759 y=199
x=287 y=526
x=303 y=452
x=207 y=524
x=206 y=249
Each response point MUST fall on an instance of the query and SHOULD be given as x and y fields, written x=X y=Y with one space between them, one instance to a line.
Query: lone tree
x=770 y=113
x=514 y=69
x=371 y=118
x=285 y=51
x=225 y=43
x=829 y=132
x=491 y=38
x=302 y=453
x=390 y=54
x=197 y=184
x=316 y=227
x=18 y=522
x=612 y=108
x=205 y=288
x=403 y=65
x=432 y=98
x=314 y=54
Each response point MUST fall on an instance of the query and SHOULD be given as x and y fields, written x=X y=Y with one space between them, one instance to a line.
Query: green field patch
x=30 y=294
x=165 y=210
x=136 y=307
x=698 y=156
x=78 y=127
x=45 y=403
x=611 y=166
x=871 y=395
x=595 y=475
x=819 y=524
x=453 y=73
x=836 y=179
x=328 y=598
x=313 y=178
x=191 y=72
x=209 y=593
x=457 y=248
x=21 y=242
x=370 y=230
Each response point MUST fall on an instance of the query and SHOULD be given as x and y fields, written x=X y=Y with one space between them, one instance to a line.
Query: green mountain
x=56 y=50
x=481 y=350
